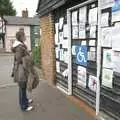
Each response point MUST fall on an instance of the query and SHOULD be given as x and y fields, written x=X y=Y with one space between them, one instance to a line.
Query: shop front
x=76 y=38
x=87 y=54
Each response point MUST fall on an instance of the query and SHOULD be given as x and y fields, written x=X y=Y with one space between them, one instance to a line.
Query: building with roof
x=28 y=24
x=69 y=26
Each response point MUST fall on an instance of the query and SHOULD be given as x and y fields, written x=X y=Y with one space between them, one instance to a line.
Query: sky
x=20 y=5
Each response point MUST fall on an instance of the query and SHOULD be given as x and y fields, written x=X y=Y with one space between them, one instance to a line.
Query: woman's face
x=22 y=38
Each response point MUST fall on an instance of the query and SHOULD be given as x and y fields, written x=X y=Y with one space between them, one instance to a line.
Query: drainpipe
x=69 y=53
x=98 y=59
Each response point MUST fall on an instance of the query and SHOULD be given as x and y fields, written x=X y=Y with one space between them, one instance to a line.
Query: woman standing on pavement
x=20 y=73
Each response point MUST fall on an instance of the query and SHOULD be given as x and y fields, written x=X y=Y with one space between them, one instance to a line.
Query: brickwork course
x=47 y=47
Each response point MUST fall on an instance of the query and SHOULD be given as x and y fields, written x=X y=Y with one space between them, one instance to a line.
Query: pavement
x=49 y=102
x=6 y=63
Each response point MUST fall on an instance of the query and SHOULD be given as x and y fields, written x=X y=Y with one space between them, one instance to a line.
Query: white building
x=13 y=24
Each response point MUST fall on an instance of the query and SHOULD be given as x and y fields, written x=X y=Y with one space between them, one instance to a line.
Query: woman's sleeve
x=13 y=50
x=19 y=54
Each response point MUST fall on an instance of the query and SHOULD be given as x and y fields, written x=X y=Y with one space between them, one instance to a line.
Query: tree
x=6 y=8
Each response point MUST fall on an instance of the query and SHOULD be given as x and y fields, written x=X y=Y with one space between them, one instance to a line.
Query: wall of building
x=10 y=36
x=109 y=100
x=47 y=47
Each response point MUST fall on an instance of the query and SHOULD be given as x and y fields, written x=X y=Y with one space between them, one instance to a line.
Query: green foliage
x=6 y=8
x=36 y=55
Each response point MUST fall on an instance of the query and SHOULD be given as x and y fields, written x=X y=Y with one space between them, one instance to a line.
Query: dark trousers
x=23 y=100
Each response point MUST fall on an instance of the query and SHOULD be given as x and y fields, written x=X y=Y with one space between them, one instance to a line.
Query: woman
x=20 y=73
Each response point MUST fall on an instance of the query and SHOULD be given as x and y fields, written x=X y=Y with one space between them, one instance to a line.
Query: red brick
x=47 y=47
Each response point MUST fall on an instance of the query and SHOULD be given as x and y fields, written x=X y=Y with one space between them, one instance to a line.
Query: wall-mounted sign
x=75 y=32
x=82 y=76
x=107 y=58
x=93 y=20
x=116 y=61
x=92 y=83
x=61 y=21
x=107 y=78
x=81 y=55
x=116 y=5
x=116 y=38
x=116 y=11
x=75 y=18
x=106 y=37
x=57 y=66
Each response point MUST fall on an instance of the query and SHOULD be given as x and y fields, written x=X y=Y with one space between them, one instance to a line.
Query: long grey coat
x=20 y=70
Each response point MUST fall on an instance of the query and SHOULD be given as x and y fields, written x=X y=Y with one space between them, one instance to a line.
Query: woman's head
x=20 y=36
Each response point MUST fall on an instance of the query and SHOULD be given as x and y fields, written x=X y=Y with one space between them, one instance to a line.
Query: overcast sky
x=20 y=5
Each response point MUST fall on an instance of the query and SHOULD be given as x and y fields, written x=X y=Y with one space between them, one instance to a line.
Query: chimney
x=25 y=13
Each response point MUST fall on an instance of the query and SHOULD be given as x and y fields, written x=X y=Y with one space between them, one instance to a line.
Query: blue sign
x=81 y=55
x=116 y=6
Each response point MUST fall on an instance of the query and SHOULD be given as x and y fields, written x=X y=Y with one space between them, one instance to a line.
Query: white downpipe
x=98 y=59
x=69 y=53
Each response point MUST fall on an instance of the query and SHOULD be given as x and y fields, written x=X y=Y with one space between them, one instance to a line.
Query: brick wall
x=47 y=47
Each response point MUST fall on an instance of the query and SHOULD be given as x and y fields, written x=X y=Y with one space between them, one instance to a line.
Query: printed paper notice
x=93 y=16
x=66 y=57
x=116 y=62
x=65 y=31
x=107 y=58
x=82 y=76
x=56 y=33
x=84 y=42
x=61 y=54
x=116 y=38
x=92 y=83
x=107 y=78
x=91 y=42
x=116 y=16
x=61 y=20
x=61 y=37
x=82 y=15
x=57 y=52
x=74 y=18
x=106 y=37
x=92 y=56
x=57 y=66
x=75 y=32
x=56 y=39
x=65 y=43
x=82 y=32
x=92 y=49
x=116 y=11
x=93 y=32
x=106 y=3
x=104 y=19
x=65 y=73
x=56 y=27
